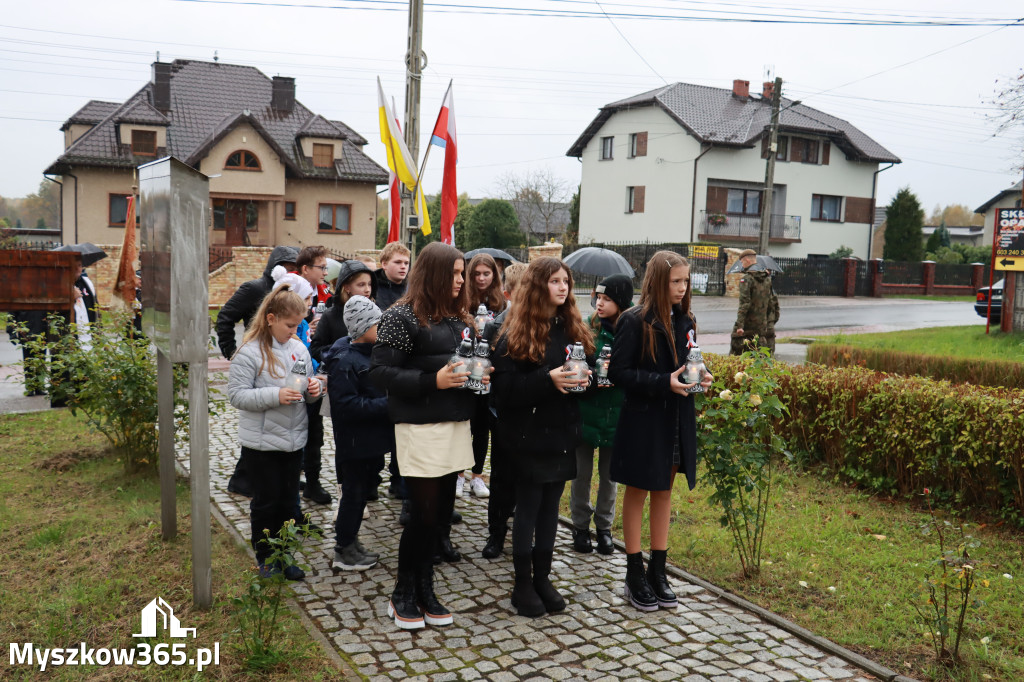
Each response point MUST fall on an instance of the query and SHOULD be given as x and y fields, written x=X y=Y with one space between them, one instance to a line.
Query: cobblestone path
x=598 y=637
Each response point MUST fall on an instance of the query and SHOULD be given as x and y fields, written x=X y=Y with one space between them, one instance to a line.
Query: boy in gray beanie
x=363 y=432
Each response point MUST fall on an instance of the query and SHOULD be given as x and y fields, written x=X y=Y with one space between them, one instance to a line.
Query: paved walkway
x=598 y=637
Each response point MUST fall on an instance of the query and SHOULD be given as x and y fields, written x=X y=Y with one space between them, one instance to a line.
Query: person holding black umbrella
x=755 y=297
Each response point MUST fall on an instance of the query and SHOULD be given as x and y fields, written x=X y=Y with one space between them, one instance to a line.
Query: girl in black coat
x=657 y=430
x=415 y=339
x=539 y=420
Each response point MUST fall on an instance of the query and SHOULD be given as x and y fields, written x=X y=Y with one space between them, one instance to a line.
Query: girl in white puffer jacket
x=272 y=423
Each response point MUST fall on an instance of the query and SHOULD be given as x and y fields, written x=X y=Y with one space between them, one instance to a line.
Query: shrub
x=113 y=383
x=897 y=435
x=945 y=367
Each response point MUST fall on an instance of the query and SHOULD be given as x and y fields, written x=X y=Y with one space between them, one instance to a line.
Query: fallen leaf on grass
x=878 y=537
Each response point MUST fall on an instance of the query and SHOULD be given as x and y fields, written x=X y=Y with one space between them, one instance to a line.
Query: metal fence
x=707 y=263
x=809 y=277
x=748 y=226
x=953 y=274
x=32 y=245
x=220 y=255
x=902 y=272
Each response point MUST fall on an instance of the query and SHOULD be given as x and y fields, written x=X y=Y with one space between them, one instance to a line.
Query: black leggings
x=431 y=501
x=536 y=519
x=480 y=428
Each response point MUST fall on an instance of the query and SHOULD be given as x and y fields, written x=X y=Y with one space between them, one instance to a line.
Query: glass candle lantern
x=480 y=367
x=482 y=317
x=576 y=362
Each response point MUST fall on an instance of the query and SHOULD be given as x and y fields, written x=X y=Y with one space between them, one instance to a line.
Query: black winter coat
x=651 y=413
x=386 y=292
x=538 y=425
x=359 y=410
x=332 y=323
x=244 y=303
x=405 y=362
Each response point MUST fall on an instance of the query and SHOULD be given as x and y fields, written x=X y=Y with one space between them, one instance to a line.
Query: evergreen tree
x=572 y=230
x=904 y=219
x=493 y=223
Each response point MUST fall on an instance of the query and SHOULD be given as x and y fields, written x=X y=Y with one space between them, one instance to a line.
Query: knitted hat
x=298 y=284
x=619 y=288
x=360 y=314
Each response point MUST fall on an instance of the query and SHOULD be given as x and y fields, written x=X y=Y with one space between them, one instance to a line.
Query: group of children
x=393 y=387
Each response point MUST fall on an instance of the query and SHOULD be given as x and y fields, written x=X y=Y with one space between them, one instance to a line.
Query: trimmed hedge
x=898 y=435
x=955 y=369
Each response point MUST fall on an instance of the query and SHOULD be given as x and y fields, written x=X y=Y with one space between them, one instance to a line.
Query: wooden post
x=165 y=403
x=199 y=464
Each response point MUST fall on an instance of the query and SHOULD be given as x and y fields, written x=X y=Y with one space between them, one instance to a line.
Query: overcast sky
x=526 y=85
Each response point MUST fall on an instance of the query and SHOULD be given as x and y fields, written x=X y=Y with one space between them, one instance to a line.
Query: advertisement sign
x=1009 y=251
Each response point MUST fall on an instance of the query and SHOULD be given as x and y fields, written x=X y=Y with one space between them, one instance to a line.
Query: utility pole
x=415 y=62
x=769 y=174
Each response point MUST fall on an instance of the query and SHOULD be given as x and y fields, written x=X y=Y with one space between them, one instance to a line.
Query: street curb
x=876 y=669
x=319 y=637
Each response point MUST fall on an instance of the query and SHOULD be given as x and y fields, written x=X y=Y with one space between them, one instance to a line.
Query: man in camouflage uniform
x=751 y=326
x=773 y=315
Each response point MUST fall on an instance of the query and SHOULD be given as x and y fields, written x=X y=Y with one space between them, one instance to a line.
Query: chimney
x=161 y=86
x=741 y=89
x=769 y=89
x=282 y=98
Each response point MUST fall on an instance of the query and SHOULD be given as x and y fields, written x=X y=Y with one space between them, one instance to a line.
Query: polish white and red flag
x=444 y=137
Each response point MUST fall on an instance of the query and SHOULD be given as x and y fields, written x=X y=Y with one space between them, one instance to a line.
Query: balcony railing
x=712 y=225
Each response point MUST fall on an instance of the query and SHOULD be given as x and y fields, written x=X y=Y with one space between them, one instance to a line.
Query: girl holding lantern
x=656 y=435
x=539 y=420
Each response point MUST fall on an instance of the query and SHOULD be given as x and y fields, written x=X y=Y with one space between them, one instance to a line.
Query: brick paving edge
x=293 y=605
x=876 y=669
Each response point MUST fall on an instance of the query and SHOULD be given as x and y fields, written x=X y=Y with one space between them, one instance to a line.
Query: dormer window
x=144 y=142
x=242 y=160
x=323 y=155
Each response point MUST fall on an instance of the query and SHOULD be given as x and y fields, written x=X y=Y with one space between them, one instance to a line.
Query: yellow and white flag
x=400 y=159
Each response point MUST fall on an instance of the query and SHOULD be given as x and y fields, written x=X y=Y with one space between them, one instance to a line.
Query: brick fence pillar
x=928 y=277
x=977 y=275
x=552 y=249
x=850 y=277
x=875 y=275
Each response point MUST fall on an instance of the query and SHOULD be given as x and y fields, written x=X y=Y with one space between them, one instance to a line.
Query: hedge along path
x=1004 y=373
x=898 y=434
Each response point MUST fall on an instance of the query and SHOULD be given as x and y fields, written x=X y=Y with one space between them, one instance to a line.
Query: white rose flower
x=725 y=395
x=755 y=399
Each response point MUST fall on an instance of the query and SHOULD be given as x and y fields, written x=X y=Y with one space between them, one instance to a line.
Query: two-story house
x=279 y=173
x=686 y=163
x=1008 y=198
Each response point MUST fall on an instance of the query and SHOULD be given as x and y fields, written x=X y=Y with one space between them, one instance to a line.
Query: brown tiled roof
x=142 y=112
x=714 y=116
x=208 y=99
x=92 y=113
x=318 y=126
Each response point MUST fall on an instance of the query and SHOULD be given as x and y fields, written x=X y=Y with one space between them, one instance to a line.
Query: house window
x=144 y=143
x=323 y=155
x=635 y=198
x=335 y=218
x=826 y=207
x=803 y=150
x=242 y=160
x=637 y=144
x=117 y=210
x=289 y=210
x=743 y=202
x=606 y=148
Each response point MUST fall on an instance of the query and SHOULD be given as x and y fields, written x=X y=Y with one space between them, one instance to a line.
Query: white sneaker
x=460 y=484
x=478 y=487
x=366 y=512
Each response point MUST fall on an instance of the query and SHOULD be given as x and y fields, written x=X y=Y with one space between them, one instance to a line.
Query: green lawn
x=964 y=342
x=954 y=299
x=871 y=551
x=83 y=554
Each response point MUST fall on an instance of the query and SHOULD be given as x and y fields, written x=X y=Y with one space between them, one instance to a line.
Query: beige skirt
x=432 y=450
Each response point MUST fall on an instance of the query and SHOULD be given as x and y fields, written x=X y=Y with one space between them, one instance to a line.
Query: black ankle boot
x=658 y=581
x=314 y=492
x=637 y=591
x=445 y=549
x=581 y=540
x=553 y=601
x=524 y=595
x=604 y=542
x=495 y=544
x=434 y=612
x=402 y=606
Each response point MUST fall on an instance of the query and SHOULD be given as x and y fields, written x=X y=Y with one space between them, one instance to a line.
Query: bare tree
x=1009 y=98
x=540 y=199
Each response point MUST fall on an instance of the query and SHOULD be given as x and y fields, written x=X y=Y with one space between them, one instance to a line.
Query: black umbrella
x=592 y=260
x=496 y=254
x=90 y=252
x=763 y=263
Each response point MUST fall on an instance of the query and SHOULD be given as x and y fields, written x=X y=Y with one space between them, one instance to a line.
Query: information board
x=1009 y=239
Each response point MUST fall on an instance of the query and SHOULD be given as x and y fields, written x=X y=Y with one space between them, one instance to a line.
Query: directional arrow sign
x=1010 y=239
